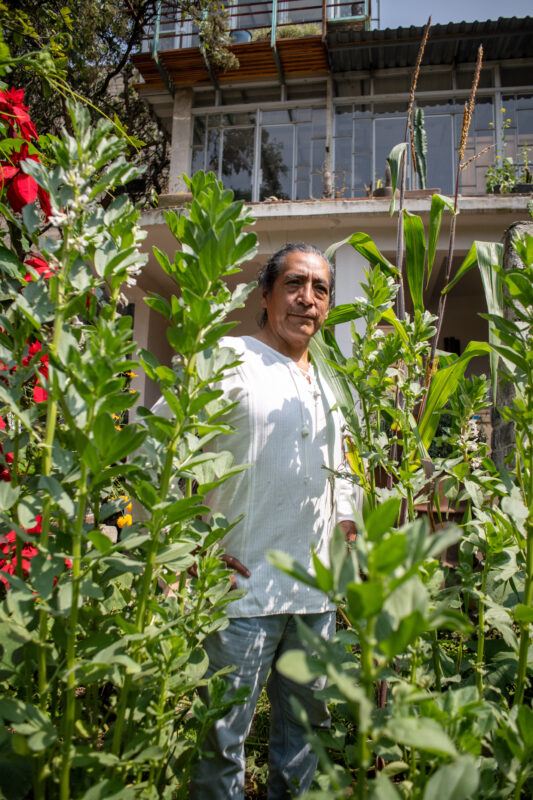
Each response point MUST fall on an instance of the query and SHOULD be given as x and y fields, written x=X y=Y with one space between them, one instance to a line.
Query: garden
x=101 y=641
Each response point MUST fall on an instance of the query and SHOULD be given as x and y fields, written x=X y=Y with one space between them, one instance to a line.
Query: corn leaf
x=415 y=251
x=438 y=203
x=443 y=385
x=394 y=160
x=366 y=246
x=324 y=356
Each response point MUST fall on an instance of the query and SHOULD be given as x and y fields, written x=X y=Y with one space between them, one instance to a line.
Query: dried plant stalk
x=470 y=106
x=467 y=119
x=400 y=299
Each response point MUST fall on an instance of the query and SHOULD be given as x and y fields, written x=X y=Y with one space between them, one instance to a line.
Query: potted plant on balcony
x=524 y=178
x=419 y=149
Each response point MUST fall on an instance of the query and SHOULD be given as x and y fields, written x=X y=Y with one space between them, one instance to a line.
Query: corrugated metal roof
x=454 y=43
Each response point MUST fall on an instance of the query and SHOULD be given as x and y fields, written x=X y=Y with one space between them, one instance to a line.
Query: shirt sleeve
x=349 y=499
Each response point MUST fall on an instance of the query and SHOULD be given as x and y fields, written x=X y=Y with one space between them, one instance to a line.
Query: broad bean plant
x=101 y=640
x=429 y=674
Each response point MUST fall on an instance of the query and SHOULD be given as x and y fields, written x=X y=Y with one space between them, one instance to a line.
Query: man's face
x=299 y=300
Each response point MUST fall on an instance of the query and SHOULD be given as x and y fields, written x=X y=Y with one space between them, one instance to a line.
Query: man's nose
x=306 y=293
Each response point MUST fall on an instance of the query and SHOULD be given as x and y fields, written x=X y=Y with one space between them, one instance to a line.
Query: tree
x=91 y=43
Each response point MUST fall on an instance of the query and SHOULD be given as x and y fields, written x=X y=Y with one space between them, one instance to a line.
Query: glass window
x=434 y=81
x=198 y=133
x=388 y=131
x=238 y=161
x=516 y=76
x=464 y=78
x=392 y=83
x=276 y=162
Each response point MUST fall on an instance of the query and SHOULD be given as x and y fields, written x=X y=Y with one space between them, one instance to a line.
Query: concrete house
x=301 y=131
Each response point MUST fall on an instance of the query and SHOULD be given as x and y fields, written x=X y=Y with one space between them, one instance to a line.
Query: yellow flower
x=127 y=503
x=131 y=374
x=125 y=521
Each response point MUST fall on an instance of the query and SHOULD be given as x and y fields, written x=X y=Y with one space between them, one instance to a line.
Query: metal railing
x=267 y=20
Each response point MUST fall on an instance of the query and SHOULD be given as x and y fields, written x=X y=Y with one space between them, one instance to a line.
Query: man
x=286 y=430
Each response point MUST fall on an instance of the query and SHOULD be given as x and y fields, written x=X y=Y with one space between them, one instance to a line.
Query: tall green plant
x=98 y=665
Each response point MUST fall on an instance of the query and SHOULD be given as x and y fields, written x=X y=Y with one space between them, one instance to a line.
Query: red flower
x=8 y=550
x=40 y=395
x=41 y=266
x=15 y=113
x=21 y=188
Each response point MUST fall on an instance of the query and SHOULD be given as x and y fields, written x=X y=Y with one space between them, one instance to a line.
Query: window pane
x=389 y=131
x=343 y=167
x=343 y=121
x=213 y=139
x=440 y=157
x=237 y=161
x=276 y=162
x=197 y=159
x=198 y=135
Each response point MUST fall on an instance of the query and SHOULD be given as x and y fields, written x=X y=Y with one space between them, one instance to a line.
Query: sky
x=396 y=13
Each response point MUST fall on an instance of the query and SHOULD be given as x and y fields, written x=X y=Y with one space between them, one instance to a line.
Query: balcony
x=272 y=39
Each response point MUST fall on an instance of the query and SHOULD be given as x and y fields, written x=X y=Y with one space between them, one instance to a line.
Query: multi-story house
x=302 y=129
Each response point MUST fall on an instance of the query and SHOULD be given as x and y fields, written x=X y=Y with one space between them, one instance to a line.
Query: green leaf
x=415 y=257
x=438 y=203
x=9 y=263
x=394 y=160
x=388 y=554
x=365 y=600
x=324 y=577
x=123 y=443
x=457 y=781
x=382 y=789
x=299 y=666
x=525 y=725
x=422 y=734
x=290 y=566
x=382 y=518
x=101 y=542
x=363 y=244
x=324 y=357
x=443 y=384
x=8 y=495
x=409 y=629
x=523 y=613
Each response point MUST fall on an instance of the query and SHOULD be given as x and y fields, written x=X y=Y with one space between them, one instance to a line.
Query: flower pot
x=383 y=191
x=522 y=188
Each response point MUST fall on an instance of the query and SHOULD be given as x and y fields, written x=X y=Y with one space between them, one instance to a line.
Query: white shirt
x=288 y=434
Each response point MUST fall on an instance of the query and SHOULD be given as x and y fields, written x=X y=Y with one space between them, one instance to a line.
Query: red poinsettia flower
x=41 y=266
x=21 y=188
x=8 y=550
x=40 y=395
x=15 y=113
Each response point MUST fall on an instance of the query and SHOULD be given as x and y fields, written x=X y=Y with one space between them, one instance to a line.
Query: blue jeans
x=253 y=645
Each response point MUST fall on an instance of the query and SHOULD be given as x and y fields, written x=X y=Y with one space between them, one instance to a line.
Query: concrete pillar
x=350 y=269
x=181 y=144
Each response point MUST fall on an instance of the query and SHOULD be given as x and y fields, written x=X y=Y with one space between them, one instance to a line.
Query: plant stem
x=481 y=629
x=437 y=666
x=46 y=469
x=156 y=525
x=367 y=679
x=524 y=626
x=70 y=691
